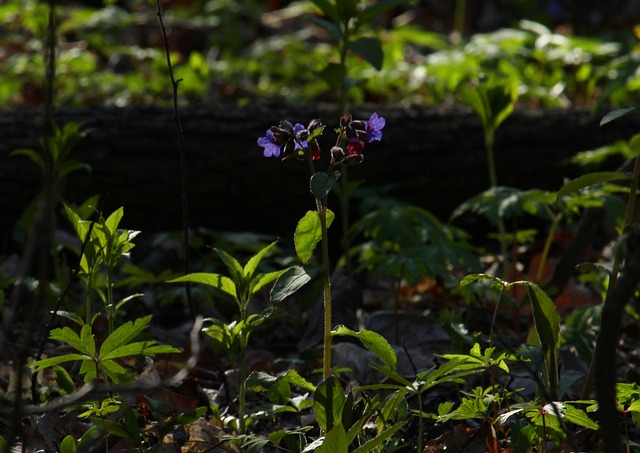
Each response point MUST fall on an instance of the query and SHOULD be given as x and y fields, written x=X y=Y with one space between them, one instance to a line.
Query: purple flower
x=297 y=128
x=271 y=148
x=374 y=126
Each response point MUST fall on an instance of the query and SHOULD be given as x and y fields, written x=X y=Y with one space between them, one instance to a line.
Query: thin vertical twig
x=183 y=166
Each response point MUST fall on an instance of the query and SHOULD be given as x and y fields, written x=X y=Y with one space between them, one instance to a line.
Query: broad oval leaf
x=288 y=283
x=321 y=184
x=368 y=48
x=328 y=402
x=374 y=342
x=335 y=441
x=309 y=233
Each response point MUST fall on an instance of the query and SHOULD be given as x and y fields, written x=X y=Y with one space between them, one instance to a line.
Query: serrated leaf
x=251 y=266
x=262 y=280
x=579 y=417
x=473 y=278
x=373 y=341
x=123 y=335
x=591 y=179
x=67 y=335
x=288 y=283
x=615 y=114
x=235 y=268
x=218 y=281
x=128 y=350
x=368 y=48
x=47 y=363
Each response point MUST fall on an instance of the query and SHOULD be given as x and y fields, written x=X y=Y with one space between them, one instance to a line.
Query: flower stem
x=326 y=283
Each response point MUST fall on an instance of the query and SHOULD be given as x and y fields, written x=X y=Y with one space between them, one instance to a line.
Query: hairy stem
x=326 y=283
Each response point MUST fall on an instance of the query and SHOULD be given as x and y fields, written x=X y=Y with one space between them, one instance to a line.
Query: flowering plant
x=287 y=141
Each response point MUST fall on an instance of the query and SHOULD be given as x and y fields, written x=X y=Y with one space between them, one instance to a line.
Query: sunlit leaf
x=373 y=341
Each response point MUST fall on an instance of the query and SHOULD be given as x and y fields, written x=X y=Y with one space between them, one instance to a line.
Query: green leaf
x=111 y=368
x=473 y=278
x=252 y=264
x=335 y=441
x=375 y=9
x=113 y=220
x=262 y=280
x=384 y=435
x=111 y=427
x=89 y=438
x=334 y=75
x=328 y=402
x=309 y=233
x=591 y=179
x=68 y=445
x=39 y=365
x=123 y=335
x=328 y=26
x=370 y=49
x=218 y=281
x=71 y=317
x=615 y=114
x=328 y=9
x=121 y=303
x=492 y=100
x=321 y=184
x=67 y=335
x=235 y=268
x=545 y=316
x=347 y=9
x=190 y=417
x=31 y=154
x=63 y=380
x=579 y=417
x=288 y=283
x=127 y=350
x=374 y=342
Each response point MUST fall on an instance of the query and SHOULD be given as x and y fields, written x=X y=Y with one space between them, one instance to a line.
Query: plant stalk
x=326 y=283
x=243 y=373
x=489 y=135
